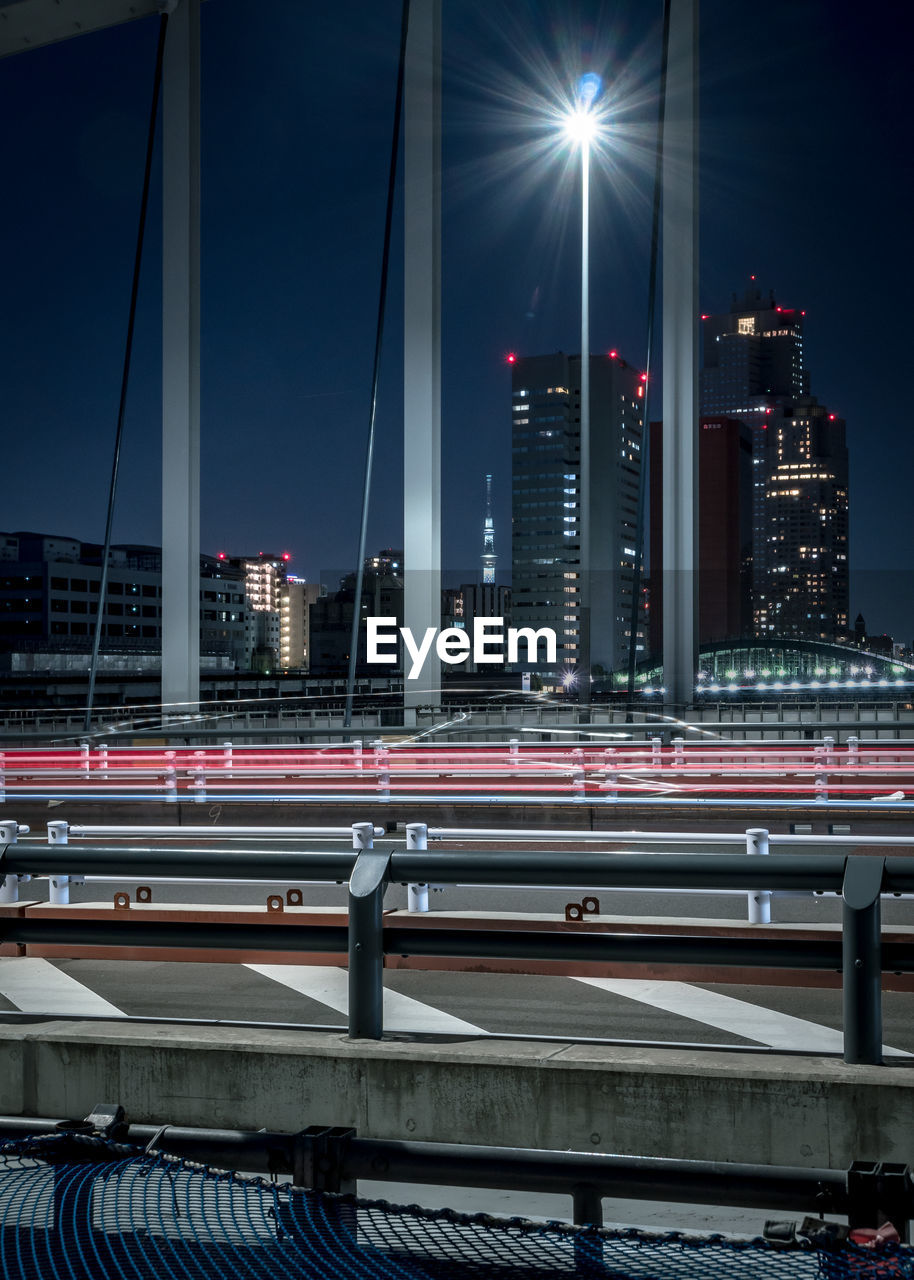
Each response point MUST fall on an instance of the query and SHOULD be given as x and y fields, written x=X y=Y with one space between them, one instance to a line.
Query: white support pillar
x=422 y=342
x=181 y=357
x=680 y=358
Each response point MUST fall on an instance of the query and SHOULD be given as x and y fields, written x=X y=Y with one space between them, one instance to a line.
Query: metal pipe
x=610 y=948
x=133 y=932
x=509 y=1168
x=862 y=960
x=84 y=830
x=366 y=937
x=519 y=867
x=641 y=837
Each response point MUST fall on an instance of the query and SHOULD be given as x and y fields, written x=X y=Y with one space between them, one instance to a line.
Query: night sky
x=806 y=182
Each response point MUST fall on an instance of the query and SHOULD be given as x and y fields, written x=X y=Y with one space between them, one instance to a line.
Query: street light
x=581 y=126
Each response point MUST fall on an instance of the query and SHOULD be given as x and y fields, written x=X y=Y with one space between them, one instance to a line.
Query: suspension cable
x=651 y=301
x=375 y=377
x=125 y=375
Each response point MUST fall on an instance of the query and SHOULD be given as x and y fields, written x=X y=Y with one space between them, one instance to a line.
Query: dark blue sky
x=806 y=182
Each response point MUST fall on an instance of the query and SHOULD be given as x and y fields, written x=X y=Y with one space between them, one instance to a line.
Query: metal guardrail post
x=853 y=750
x=879 y=1192
x=759 y=900
x=171 y=777
x=417 y=838
x=656 y=752
x=579 y=777
x=382 y=769
x=819 y=761
x=678 y=752
x=610 y=774
x=198 y=773
x=587 y=1205
x=9 y=884
x=319 y=1155
x=862 y=960
x=587 y=1211
x=897 y=1196
x=366 y=935
x=59 y=895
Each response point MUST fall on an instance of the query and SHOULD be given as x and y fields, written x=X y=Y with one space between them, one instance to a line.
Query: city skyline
x=790 y=153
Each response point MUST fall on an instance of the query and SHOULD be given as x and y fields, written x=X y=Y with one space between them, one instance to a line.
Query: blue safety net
x=72 y=1213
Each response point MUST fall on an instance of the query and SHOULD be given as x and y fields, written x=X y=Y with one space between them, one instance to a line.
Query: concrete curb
x=673 y=1103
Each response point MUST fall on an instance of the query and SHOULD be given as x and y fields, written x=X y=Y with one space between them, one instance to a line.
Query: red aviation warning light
x=511 y=358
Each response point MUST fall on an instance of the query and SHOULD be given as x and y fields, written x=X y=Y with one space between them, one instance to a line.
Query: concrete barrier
x=675 y=1103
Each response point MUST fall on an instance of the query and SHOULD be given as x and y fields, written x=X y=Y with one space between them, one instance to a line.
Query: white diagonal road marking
x=37 y=986
x=330 y=986
x=741 y=1018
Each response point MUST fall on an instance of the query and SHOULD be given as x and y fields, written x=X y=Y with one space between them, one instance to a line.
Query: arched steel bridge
x=779 y=664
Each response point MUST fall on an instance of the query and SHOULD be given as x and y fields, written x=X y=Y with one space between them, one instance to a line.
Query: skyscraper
x=546 y=501
x=754 y=371
x=804 y=472
x=724 y=531
x=753 y=359
x=488 y=538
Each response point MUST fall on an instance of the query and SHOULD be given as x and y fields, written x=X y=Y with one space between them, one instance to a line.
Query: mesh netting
x=71 y=1212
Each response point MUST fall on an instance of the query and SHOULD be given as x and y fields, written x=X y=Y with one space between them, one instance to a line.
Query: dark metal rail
x=335 y=1159
x=861 y=956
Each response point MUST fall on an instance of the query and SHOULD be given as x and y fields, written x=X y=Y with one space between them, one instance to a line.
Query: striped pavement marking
x=752 y=1021
x=38 y=986
x=330 y=986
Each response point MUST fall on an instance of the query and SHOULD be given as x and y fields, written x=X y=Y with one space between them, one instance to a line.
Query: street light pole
x=584 y=462
x=581 y=125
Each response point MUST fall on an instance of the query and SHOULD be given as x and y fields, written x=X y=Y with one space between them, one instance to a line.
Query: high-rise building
x=725 y=474
x=754 y=371
x=264 y=575
x=460 y=606
x=805 y=476
x=330 y=635
x=49 y=603
x=753 y=359
x=488 y=538
x=296 y=596
x=546 y=501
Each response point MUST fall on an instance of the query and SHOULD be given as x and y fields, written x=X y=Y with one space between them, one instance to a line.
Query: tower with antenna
x=488 y=538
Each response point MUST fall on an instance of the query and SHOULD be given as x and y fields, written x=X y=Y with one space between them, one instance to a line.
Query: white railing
x=463 y=774
x=755 y=840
